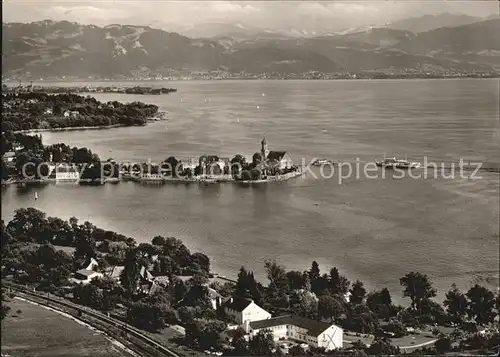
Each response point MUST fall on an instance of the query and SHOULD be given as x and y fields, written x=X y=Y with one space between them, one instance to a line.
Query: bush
x=443 y=345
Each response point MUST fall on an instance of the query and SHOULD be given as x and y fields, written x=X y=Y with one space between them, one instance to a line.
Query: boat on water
x=393 y=162
x=36 y=196
x=320 y=162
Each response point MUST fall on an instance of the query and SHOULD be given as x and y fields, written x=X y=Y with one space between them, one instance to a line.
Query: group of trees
x=26 y=111
x=28 y=253
x=32 y=160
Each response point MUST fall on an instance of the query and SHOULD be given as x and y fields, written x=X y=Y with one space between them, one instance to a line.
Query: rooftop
x=238 y=304
x=85 y=272
x=313 y=327
x=276 y=155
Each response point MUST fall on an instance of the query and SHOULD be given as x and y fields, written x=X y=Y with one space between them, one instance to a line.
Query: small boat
x=405 y=164
x=388 y=162
x=321 y=162
x=393 y=162
x=36 y=196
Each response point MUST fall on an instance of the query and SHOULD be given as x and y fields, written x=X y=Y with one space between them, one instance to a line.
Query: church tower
x=264 y=150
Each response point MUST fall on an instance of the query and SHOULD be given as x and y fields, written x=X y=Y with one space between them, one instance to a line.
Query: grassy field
x=36 y=331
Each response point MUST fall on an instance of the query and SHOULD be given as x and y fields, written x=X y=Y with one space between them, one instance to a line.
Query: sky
x=175 y=15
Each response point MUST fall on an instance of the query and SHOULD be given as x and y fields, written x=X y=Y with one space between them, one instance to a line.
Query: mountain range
x=50 y=48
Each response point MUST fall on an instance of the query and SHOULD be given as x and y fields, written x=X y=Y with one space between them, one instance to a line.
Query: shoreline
x=205 y=180
x=74 y=128
x=77 y=80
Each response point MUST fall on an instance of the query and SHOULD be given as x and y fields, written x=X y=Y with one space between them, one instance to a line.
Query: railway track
x=125 y=333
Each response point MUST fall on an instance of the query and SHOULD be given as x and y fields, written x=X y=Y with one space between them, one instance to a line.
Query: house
x=48 y=111
x=66 y=113
x=280 y=160
x=312 y=332
x=241 y=310
x=90 y=264
x=84 y=276
x=74 y=113
x=115 y=272
x=9 y=156
x=215 y=298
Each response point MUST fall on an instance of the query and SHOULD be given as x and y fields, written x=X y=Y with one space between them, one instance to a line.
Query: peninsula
x=32 y=111
x=86 y=89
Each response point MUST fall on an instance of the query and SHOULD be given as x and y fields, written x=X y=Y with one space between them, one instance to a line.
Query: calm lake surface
x=375 y=230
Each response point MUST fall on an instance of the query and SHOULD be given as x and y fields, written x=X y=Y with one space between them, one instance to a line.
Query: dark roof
x=238 y=304
x=313 y=327
x=85 y=272
x=276 y=155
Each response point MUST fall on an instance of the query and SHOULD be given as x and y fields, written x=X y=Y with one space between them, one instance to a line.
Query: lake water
x=375 y=230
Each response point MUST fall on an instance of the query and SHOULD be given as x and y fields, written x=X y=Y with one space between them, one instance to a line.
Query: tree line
x=33 y=110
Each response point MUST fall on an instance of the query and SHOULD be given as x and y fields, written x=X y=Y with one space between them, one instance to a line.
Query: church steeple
x=264 y=150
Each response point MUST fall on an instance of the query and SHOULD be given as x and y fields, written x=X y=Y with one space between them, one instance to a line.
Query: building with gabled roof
x=242 y=310
x=312 y=332
x=275 y=159
x=85 y=276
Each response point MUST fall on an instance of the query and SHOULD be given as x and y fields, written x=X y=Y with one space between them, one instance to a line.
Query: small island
x=266 y=166
x=33 y=111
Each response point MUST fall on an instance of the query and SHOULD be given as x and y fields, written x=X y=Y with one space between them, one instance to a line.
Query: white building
x=84 y=276
x=215 y=298
x=312 y=332
x=91 y=264
x=65 y=172
x=242 y=310
x=9 y=156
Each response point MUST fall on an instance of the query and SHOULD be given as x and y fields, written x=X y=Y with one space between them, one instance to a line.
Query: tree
x=358 y=293
x=304 y=303
x=338 y=285
x=256 y=158
x=456 y=304
x=417 y=287
x=262 y=344
x=201 y=261
x=4 y=308
x=152 y=313
x=296 y=280
x=255 y=173
x=89 y=295
x=380 y=302
x=203 y=334
x=330 y=307
x=130 y=275
x=239 y=343
x=481 y=303
x=382 y=346
x=246 y=175
x=278 y=286
x=158 y=240
x=442 y=345
x=314 y=272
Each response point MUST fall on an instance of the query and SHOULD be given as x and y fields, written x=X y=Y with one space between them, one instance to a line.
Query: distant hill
x=431 y=22
x=478 y=42
x=49 y=48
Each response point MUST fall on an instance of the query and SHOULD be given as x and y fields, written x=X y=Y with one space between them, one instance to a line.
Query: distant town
x=224 y=75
